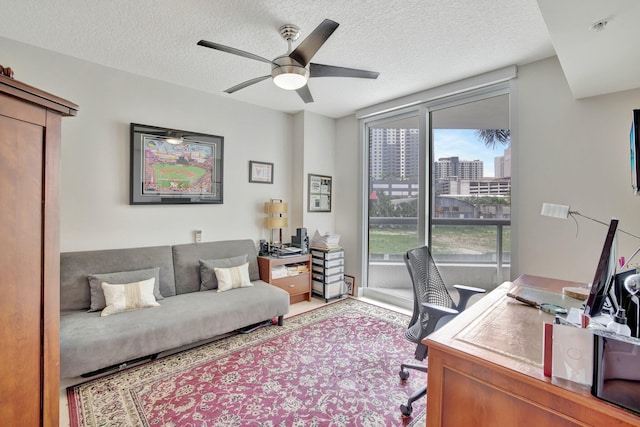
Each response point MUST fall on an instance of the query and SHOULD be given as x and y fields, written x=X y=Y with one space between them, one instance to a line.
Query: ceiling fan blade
x=309 y=46
x=321 y=70
x=247 y=83
x=232 y=50
x=305 y=94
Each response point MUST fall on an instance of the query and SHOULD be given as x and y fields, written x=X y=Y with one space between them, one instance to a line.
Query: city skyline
x=394 y=151
x=464 y=143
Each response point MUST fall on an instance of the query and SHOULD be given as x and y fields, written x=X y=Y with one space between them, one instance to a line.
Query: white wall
x=319 y=159
x=95 y=213
x=573 y=152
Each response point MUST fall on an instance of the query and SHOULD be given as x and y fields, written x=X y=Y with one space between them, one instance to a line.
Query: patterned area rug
x=333 y=366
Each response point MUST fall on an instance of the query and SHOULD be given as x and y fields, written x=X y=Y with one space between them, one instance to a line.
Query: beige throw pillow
x=96 y=280
x=208 y=280
x=129 y=296
x=232 y=278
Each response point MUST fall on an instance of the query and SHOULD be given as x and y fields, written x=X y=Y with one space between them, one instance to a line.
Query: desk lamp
x=632 y=282
x=276 y=220
x=564 y=212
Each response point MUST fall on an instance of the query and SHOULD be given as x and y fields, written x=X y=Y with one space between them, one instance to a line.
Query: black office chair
x=432 y=308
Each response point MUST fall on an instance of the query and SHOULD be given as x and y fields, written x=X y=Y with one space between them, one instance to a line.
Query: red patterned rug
x=333 y=366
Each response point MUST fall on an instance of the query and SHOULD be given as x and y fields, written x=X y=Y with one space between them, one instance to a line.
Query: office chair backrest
x=433 y=306
x=428 y=285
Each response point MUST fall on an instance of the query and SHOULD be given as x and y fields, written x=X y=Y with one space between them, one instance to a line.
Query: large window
x=394 y=154
x=440 y=174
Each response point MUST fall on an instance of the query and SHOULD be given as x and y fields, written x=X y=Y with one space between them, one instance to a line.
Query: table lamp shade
x=275 y=207
x=276 y=222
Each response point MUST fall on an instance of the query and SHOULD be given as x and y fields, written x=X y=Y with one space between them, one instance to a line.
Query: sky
x=464 y=144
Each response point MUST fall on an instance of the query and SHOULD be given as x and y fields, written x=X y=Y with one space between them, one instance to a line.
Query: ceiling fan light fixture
x=290 y=77
x=173 y=138
x=175 y=141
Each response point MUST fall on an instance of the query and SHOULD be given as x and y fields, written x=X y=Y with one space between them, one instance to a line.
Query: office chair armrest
x=435 y=313
x=465 y=293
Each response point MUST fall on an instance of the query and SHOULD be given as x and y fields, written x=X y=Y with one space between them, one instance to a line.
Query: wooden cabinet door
x=21 y=271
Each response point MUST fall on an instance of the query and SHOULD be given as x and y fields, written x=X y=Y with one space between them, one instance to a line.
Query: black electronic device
x=605 y=273
x=616 y=377
x=627 y=301
x=264 y=248
x=301 y=240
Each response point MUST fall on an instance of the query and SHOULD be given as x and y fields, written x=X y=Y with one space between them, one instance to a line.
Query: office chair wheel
x=406 y=410
x=404 y=374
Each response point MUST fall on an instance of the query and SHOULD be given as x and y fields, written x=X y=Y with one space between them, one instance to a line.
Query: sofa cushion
x=186 y=260
x=208 y=280
x=233 y=278
x=75 y=266
x=128 y=296
x=96 y=280
x=89 y=342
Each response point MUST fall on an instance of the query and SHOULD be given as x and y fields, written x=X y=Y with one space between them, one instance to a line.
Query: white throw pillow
x=232 y=278
x=128 y=296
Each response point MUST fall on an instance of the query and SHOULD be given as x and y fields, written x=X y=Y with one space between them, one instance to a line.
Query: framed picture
x=170 y=166
x=319 y=193
x=350 y=283
x=261 y=172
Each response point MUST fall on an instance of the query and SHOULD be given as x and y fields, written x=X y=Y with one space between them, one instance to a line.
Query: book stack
x=295 y=269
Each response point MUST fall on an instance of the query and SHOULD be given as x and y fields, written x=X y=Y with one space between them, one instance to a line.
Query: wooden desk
x=485 y=369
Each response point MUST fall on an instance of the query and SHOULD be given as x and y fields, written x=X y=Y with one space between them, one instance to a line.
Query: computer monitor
x=605 y=273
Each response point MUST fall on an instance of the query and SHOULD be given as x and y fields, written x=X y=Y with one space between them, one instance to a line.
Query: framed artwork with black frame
x=319 y=193
x=170 y=166
x=260 y=172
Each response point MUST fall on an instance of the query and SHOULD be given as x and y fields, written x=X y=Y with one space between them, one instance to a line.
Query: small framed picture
x=319 y=193
x=350 y=283
x=260 y=172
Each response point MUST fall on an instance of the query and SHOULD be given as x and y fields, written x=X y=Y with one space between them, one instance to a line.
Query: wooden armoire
x=30 y=124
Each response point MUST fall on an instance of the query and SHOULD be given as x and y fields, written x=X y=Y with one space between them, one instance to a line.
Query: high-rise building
x=393 y=153
x=447 y=167
x=502 y=164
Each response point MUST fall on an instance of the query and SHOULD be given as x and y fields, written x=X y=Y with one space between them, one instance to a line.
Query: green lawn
x=446 y=239
x=183 y=176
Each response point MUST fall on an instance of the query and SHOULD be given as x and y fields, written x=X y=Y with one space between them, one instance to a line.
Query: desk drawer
x=294 y=284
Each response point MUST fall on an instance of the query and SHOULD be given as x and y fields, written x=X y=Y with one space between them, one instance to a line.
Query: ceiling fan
x=289 y=71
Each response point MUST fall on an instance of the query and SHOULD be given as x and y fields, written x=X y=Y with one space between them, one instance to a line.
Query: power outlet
x=197 y=235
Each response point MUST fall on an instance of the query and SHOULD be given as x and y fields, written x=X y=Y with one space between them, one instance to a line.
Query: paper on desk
x=572 y=357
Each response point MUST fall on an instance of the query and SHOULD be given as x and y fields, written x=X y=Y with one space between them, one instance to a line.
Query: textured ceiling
x=414 y=44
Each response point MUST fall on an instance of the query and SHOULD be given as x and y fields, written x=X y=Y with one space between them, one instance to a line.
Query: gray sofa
x=89 y=342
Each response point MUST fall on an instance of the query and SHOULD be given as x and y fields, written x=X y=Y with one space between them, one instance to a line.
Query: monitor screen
x=605 y=273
